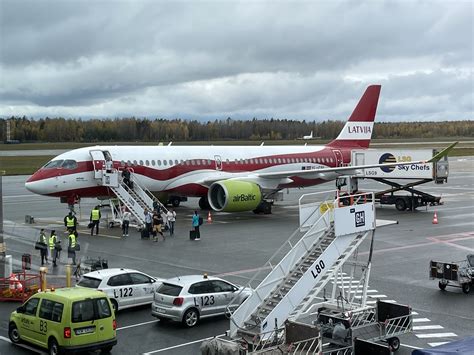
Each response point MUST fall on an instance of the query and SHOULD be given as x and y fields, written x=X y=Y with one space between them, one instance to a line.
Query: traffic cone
x=435 y=218
x=209 y=217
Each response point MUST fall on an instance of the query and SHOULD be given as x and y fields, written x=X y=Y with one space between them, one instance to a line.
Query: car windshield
x=89 y=282
x=53 y=164
x=169 y=289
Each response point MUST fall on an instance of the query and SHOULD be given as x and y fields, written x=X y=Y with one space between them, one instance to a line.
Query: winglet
x=443 y=153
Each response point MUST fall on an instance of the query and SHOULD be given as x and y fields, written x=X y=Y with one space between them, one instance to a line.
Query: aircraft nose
x=36 y=184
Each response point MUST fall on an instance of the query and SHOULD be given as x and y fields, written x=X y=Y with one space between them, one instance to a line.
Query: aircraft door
x=218 y=162
x=98 y=161
x=338 y=156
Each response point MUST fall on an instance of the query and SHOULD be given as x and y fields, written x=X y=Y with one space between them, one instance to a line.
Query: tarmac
x=236 y=245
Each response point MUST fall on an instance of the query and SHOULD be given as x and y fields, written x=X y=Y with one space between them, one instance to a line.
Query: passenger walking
x=71 y=250
x=157 y=226
x=171 y=217
x=95 y=219
x=126 y=177
x=125 y=222
x=196 y=223
x=44 y=247
x=148 y=224
x=70 y=221
x=54 y=244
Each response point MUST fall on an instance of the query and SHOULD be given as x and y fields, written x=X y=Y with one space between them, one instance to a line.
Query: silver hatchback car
x=186 y=299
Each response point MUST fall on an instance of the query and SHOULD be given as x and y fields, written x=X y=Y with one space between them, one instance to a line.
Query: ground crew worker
x=44 y=248
x=53 y=240
x=71 y=250
x=95 y=218
x=70 y=221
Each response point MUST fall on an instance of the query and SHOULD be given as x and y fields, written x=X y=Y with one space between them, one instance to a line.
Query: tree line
x=154 y=130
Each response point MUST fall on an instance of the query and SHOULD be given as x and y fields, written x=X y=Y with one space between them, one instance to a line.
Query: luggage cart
x=384 y=322
x=455 y=274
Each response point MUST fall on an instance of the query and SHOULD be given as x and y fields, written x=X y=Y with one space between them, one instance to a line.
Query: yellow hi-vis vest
x=95 y=215
x=72 y=240
x=69 y=221
x=52 y=241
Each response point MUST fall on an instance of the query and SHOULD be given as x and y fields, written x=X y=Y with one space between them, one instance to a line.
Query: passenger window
x=120 y=280
x=153 y=162
x=165 y=162
x=159 y=162
x=57 y=312
x=171 y=162
x=201 y=287
x=134 y=162
x=141 y=162
x=69 y=164
x=31 y=306
x=176 y=162
x=46 y=309
x=147 y=162
x=221 y=286
x=138 y=279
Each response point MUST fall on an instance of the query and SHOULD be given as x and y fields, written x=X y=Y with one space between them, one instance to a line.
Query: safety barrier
x=19 y=286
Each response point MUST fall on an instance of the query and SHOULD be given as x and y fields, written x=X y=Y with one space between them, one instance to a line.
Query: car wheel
x=13 y=333
x=53 y=347
x=115 y=306
x=400 y=204
x=191 y=317
x=466 y=288
x=394 y=343
x=442 y=286
x=176 y=202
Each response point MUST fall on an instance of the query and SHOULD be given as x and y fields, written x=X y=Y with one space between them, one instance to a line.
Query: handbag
x=40 y=246
x=58 y=247
x=78 y=247
x=90 y=225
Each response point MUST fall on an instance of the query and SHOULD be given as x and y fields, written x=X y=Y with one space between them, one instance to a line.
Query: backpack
x=201 y=221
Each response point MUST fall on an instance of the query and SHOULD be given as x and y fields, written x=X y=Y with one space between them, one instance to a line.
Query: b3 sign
x=354 y=219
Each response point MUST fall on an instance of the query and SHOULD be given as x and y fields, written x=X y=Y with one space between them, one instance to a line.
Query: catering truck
x=401 y=179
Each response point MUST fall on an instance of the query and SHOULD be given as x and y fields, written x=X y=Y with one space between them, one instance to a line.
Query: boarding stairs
x=293 y=283
x=135 y=199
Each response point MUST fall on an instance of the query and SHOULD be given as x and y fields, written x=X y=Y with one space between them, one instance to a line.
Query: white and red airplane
x=227 y=178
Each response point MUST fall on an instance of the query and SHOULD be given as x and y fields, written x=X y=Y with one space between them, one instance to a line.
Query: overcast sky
x=242 y=59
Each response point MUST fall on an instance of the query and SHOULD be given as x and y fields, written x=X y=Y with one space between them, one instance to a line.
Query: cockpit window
x=53 y=164
x=69 y=164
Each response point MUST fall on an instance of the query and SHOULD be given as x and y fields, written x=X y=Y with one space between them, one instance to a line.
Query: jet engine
x=234 y=196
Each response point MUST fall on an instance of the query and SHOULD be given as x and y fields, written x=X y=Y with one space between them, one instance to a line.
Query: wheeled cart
x=455 y=274
x=361 y=329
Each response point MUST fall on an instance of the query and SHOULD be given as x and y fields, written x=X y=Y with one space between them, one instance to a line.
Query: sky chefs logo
x=387 y=158
x=244 y=198
x=360 y=219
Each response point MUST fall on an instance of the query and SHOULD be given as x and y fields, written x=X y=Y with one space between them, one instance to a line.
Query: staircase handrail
x=314 y=229
x=122 y=189
x=144 y=193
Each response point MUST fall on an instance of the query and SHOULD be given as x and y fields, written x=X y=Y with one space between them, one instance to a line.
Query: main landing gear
x=264 y=207
x=204 y=203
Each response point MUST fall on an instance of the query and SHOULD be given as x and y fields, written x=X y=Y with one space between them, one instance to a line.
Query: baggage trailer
x=406 y=176
x=454 y=274
x=384 y=322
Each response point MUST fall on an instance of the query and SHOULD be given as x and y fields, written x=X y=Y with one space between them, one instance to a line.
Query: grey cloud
x=308 y=60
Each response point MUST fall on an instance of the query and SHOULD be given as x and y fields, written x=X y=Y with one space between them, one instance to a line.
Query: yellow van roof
x=73 y=293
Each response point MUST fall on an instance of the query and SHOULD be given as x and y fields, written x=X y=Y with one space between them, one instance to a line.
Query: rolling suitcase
x=192 y=235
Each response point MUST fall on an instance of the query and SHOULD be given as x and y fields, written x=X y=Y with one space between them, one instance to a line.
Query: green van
x=65 y=320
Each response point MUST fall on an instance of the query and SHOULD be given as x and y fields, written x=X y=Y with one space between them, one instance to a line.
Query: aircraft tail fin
x=357 y=131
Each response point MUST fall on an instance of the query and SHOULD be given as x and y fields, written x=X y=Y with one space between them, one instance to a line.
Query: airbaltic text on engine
x=244 y=197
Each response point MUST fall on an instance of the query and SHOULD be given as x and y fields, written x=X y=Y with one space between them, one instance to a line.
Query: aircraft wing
x=348 y=170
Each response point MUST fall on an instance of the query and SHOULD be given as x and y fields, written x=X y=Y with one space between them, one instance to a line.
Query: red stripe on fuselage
x=246 y=165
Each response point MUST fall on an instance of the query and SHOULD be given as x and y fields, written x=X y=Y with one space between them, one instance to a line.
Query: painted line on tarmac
x=138 y=324
x=23 y=346
x=181 y=345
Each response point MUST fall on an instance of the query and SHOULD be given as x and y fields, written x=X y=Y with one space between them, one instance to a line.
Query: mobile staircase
x=135 y=199
x=332 y=233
